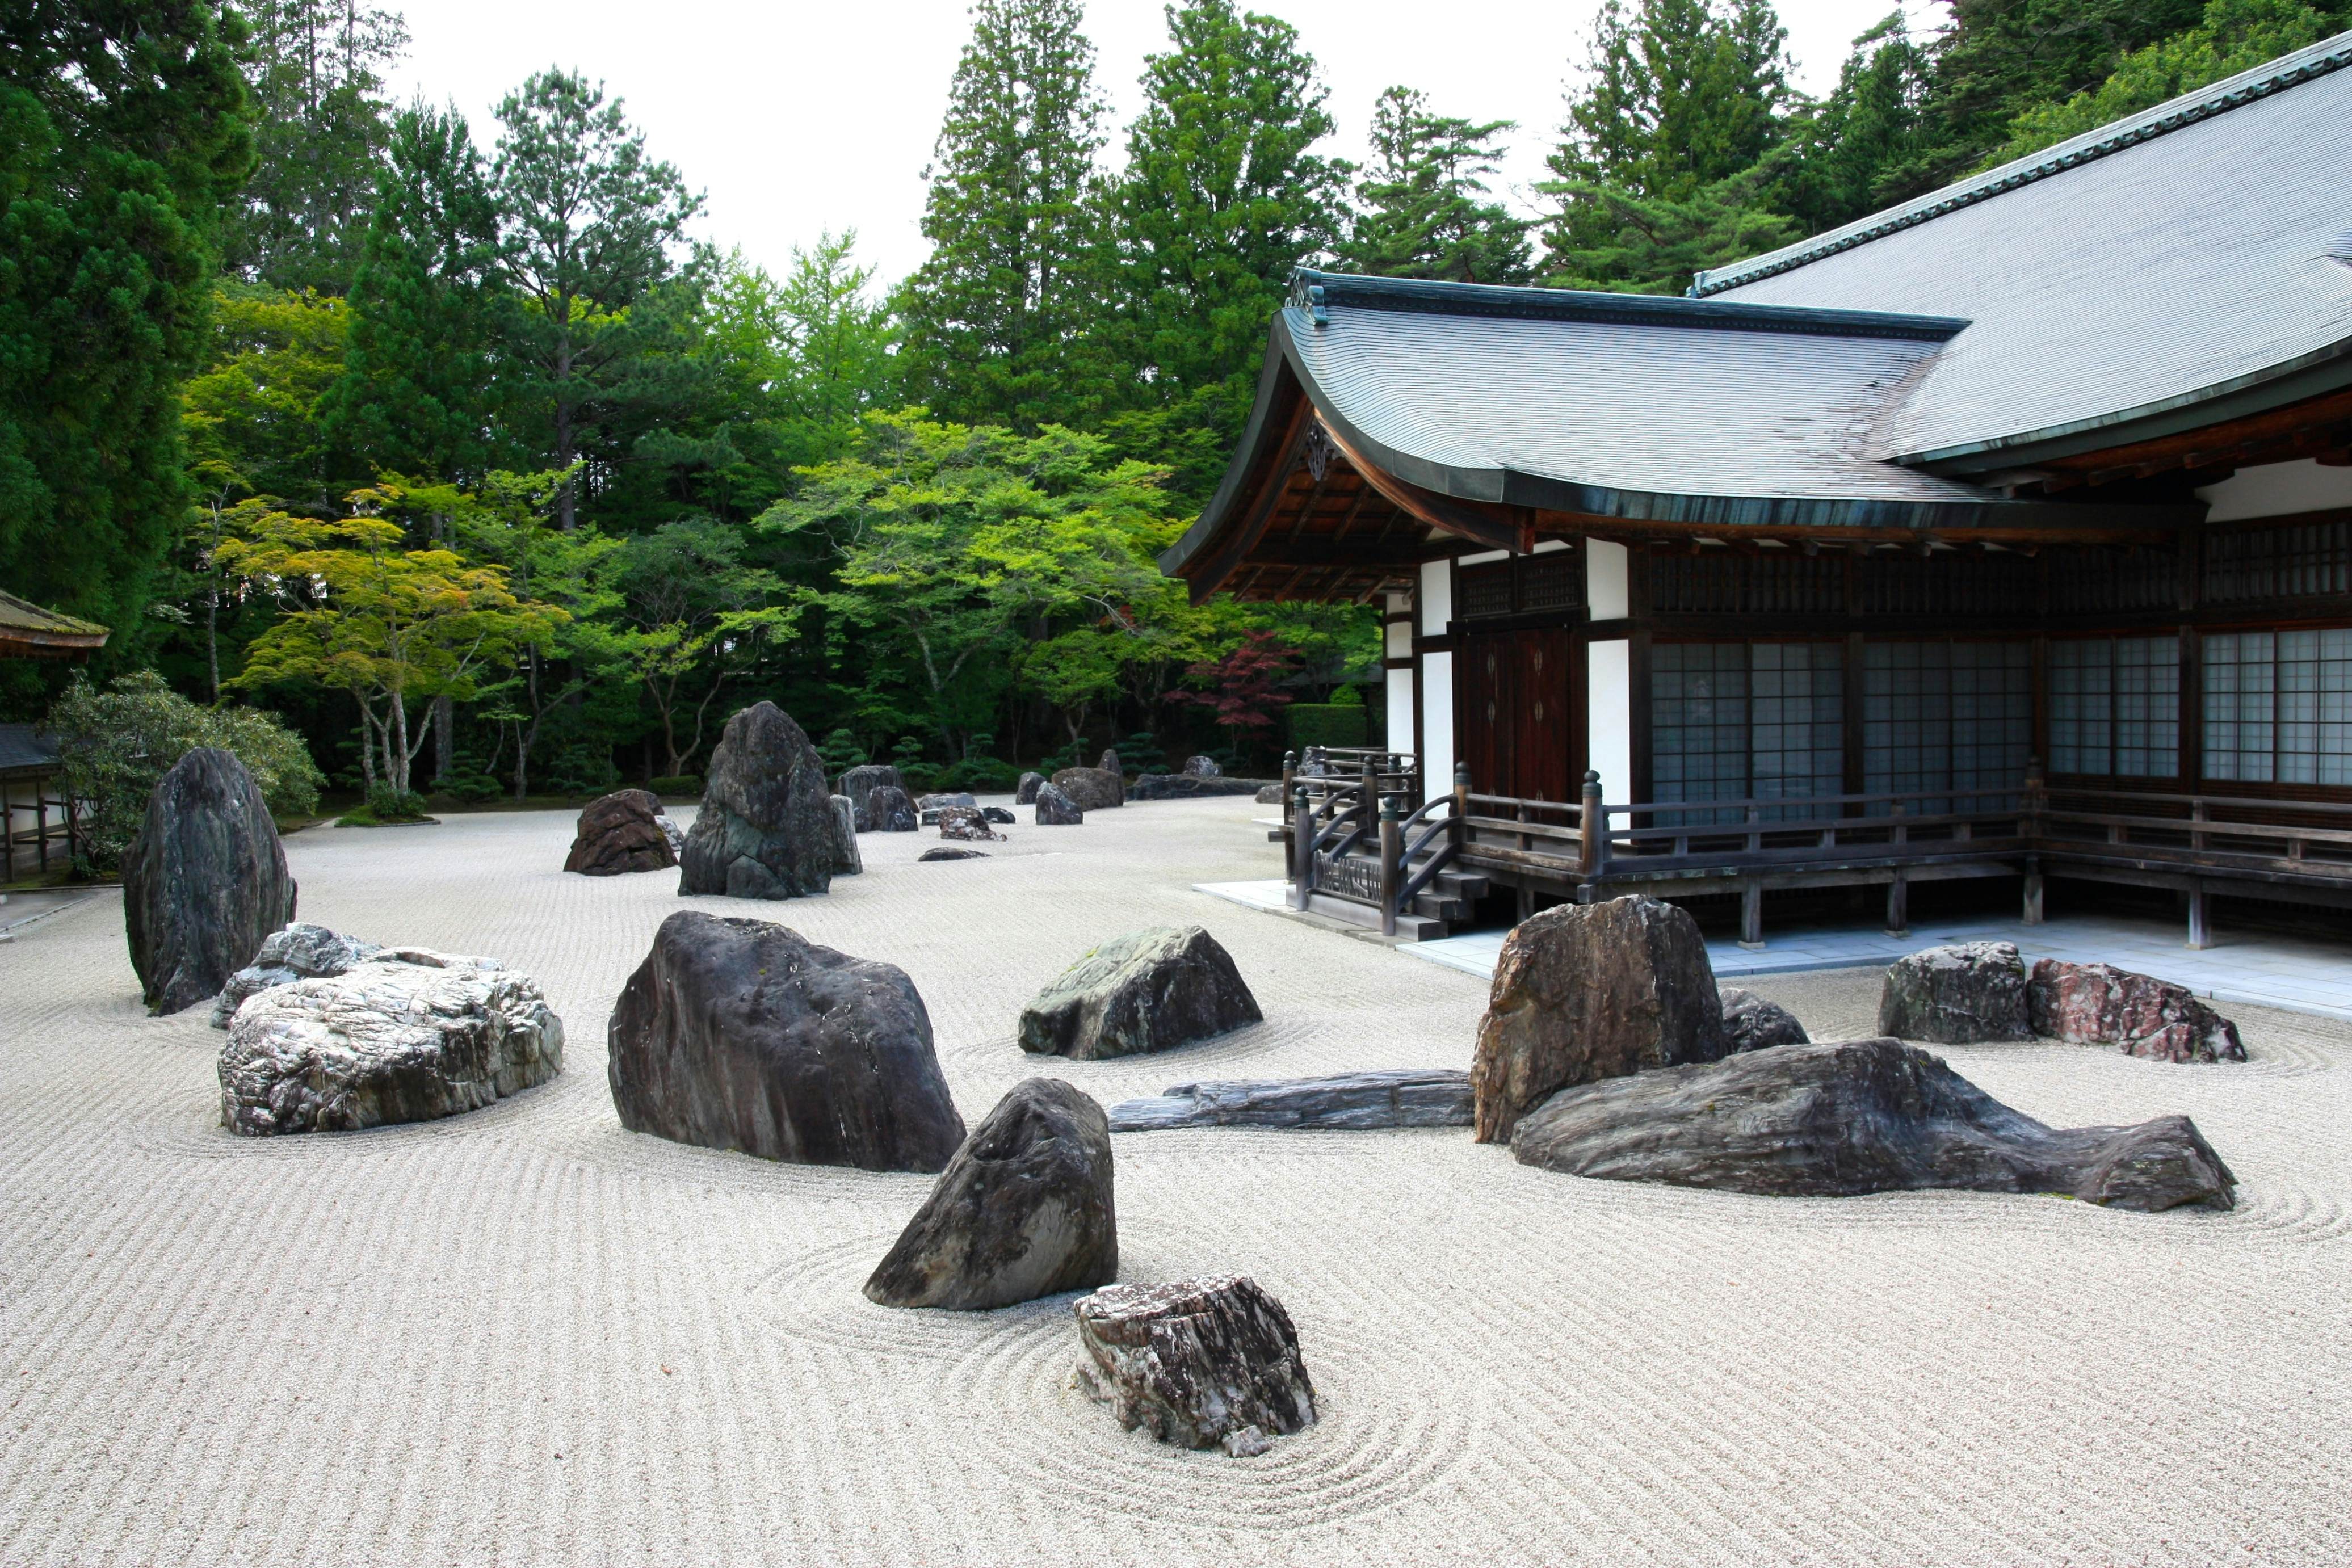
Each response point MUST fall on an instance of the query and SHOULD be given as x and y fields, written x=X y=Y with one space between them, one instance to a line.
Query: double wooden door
x=1517 y=712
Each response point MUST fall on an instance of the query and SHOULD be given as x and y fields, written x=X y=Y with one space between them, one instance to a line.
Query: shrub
x=1329 y=724
x=841 y=752
x=990 y=774
x=682 y=784
x=386 y=804
x=471 y=787
x=117 y=743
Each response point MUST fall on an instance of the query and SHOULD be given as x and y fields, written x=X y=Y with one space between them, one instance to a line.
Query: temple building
x=2006 y=533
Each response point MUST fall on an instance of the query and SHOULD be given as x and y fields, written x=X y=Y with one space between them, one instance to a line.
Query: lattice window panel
x=2278 y=564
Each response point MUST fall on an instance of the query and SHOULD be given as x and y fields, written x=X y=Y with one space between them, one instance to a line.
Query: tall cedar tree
x=1221 y=197
x=122 y=137
x=1870 y=143
x=591 y=224
x=415 y=393
x=1424 y=210
x=316 y=68
x=996 y=319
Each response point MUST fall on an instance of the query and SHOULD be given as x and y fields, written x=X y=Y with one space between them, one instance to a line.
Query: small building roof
x=2160 y=273
x=29 y=631
x=25 y=749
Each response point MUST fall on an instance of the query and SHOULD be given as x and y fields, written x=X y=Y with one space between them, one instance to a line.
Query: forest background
x=450 y=447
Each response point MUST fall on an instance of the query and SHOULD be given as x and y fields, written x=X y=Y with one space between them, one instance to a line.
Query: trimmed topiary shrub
x=682 y=784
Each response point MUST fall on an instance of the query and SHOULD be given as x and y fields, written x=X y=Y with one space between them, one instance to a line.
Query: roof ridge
x=1314 y=292
x=2307 y=64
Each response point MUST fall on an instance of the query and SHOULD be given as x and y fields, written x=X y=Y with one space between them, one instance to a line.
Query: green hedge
x=1327 y=723
x=684 y=784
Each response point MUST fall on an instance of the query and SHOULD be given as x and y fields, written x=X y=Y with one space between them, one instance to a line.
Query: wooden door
x=1516 y=711
x=1486 y=672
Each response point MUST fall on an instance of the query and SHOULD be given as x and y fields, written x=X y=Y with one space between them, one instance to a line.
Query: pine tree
x=1871 y=142
x=415 y=395
x=1221 y=197
x=123 y=135
x=590 y=223
x=1424 y=212
x=995 y=318
x=316 y=68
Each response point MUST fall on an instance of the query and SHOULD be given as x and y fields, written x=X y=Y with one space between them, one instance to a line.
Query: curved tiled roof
x=28 y=628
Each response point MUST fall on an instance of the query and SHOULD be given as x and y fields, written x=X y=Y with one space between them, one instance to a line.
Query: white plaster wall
x=1436 y=597
x=1437 y=715
x=1608 y=706
x=2276 y=489
x=1482 y=557
x=1545 y=546
x=1397 y=644
x=1604 y=584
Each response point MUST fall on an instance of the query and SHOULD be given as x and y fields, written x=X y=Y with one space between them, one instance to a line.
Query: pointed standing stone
x=205 y=882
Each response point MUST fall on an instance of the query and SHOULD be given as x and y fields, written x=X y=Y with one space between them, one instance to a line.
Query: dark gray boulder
x=966 y=823
x=1349 y=1102
x=404 y=1035
x=1855 y=1116
x=2099 y=1004
x=859 y=783
x=740 y=1034
x=1200 y=768
x=847 y=858
x=1094 y=788
x=1055 y=809
x=1199 y=1363
x=1590 y=991
x=890 y=811
x=204 y=882
x=1188 y=786
x=766 y=827
x=298 y=952
x=1751 y=1023
x=620 y=833
x=1148 y=990
x=952 y=855
x=1024 y=1210
x=997 y=814
x=1026 y=791
x=1109 y=762
x=929 y=806
x=1956 y=995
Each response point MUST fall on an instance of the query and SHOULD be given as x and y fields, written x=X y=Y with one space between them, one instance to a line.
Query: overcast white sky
x=795 y=117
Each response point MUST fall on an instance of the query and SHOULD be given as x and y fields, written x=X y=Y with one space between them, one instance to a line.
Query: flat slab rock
x=1855 y=1116
x=952 y=855
x=295 y=952
x=1347 y=1102
x=1195 y=786
x=204 y=883
x=1956 y=995
x=1024 y=1209
x=741 y=1034
x=406 y=1035
x=1148 y=990
x=2099 y=1004
x=620 y=833
x=1199 y=1363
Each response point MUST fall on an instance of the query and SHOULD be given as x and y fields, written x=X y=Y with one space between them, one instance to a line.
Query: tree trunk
x=444 y=738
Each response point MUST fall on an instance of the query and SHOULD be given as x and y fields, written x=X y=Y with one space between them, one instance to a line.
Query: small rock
x=1055 y=809
x=997 y=814
x=1196 y=1362
x=1270 y=794
x=1590 y=991
x=2097 y=1004
x=1751 y=1023
x=672 y=834
x=1855 y=1116
x=1246 y=1443
x=1109 y=762
x=1350 y=1102
x=1094 y=788
x=1148 y=990
x=1024 y=1209
x=859 y=784
x=204 y=883
x=1027 y=790
x=298 y=952
x=1956 y=995
x=765 y=829
x=406 y=1035
x=890 y=811
x=740 y=1034
x=847 y=858
x=966 y=823
x=952 y=855
x=621 y=833
x=1200 y=768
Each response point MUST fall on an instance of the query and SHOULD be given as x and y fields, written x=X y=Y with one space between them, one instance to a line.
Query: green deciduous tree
x=699 y=613
x=317 y=72
x=122 y=136
x=1426 y=210
x=996 y=317
x=252 y=413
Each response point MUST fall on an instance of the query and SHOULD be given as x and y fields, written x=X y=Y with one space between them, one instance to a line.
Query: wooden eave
x=2316 y=427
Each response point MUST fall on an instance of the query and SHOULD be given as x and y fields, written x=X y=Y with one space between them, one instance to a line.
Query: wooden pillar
x=2033 y=911
x=1751 y=913
x=1391 y=854
x=1898 y=904
x=1289 y=779
x=2201 y=931
x=41 y=824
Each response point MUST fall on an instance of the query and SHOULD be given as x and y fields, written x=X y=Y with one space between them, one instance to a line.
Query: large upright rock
x=1109 y=761
x=847 y=860
x=1094 y=788
x=1055 y=809
x=1024 y=1210
x=1148 y=990
x=298 y=952
x=1590 y=991
x=1855 y=1116
x=2099 y=1004
x=204 y=882
x=860 y=782
x=1199 y=1363
x=888 y=809
x=1956 y=995
x=765 y=829
x=740 y=1034
x=1025 y=791
x=619 y=833
x=408 y=1035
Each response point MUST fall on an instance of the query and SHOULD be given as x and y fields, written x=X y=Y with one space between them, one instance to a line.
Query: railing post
x=2201 y=929
x=1289 y=778
x=1392 y=854
x=1592 y=828
x=1302 y=850
x=1461 y=829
